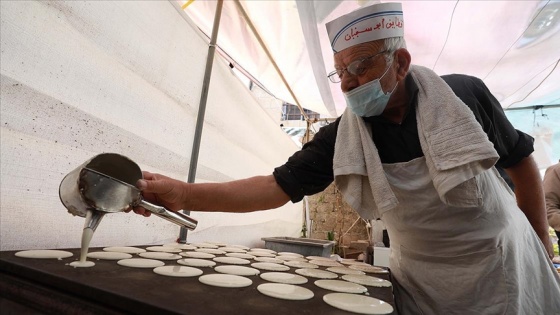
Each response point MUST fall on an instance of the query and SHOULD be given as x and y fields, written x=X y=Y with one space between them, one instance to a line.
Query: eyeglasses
x=357 y=67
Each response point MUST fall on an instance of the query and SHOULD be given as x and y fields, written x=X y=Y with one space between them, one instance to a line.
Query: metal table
x=41 y=286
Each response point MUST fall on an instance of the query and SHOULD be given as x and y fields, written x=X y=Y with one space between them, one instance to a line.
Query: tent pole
x=270 y=58
x=202 y=107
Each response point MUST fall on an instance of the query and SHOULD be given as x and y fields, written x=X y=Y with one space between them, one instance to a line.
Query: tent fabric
x=79 y=78
x=514 y=47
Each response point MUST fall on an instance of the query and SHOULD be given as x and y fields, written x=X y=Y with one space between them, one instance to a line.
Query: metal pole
x=202 y=107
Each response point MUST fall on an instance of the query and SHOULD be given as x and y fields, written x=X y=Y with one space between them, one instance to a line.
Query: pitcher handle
x=172 y=216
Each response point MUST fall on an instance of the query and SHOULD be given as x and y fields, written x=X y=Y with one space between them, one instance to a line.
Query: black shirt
x=310 y=170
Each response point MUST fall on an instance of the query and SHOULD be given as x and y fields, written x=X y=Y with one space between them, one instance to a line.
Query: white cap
x=378 y=21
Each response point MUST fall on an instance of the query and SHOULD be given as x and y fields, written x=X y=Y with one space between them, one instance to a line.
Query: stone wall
x=330 y=213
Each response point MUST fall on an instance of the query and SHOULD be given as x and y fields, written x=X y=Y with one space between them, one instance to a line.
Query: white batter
x=317 y=258
x=325 y=263
x=195 y=262
x=269 y=260
x=232 y=260
x=353 y=262
x=367 y=280
x=225 y=280
x=265 y=250
x=237 y=270
x=357 y=303
x=240 y=255
x=216 y=243
x=283 y=277
x=233 y=250
x=180 y=246
x=345 y=271
x=341 y=286
x=87 y=234
x=140 y=263
x=270 y=266
x=124 y=249
x=197 y=255
x=82 y=264
x=368 y=268
x=109 y=255
x=178 y=271
x=164 y=249
x=300 y=264
x=44 y=254
x=160 y=255
x=260 y=253
x=210 y=251
x=316 y=273
x=285 y=291
x=290 y=258
x=290 y=254
x=240 y=246
x=205 y=245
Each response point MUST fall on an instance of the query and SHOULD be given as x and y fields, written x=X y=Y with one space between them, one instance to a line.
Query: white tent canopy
x=79 y=78
x=514 y=47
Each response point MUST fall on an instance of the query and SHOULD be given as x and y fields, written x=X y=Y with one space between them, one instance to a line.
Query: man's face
x=369 y=69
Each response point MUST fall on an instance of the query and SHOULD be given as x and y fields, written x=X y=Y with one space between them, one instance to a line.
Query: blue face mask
x=368 y=100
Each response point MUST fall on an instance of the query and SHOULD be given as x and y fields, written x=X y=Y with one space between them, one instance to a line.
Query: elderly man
x=417 y=151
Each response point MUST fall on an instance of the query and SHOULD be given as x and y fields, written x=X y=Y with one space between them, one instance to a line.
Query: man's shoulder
x=553 y=169
x=465 y=85
x=457 y=79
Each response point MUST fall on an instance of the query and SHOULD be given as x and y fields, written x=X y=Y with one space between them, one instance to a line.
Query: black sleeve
x=309 y=170
x=512 y=145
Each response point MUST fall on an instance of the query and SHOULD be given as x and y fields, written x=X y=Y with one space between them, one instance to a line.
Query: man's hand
x=161 y=190
x=545 y=239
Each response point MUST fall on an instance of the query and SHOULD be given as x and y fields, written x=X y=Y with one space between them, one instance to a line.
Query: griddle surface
x=141 y=291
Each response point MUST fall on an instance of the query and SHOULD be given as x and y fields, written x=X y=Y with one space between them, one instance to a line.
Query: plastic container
x=303 y=246
x=381 y=256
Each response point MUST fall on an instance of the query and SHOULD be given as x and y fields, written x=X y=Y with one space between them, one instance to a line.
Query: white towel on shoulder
x=454 y=144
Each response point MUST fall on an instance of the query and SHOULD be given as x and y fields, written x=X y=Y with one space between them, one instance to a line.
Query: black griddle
x=51 y=286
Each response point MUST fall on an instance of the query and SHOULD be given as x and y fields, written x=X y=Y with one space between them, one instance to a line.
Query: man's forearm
x=529 y=193
x=246 y=195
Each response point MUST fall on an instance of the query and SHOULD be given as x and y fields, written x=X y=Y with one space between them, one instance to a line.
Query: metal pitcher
x=106 y=184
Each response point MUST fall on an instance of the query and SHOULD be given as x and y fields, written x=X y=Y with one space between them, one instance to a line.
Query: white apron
x=451 y=260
